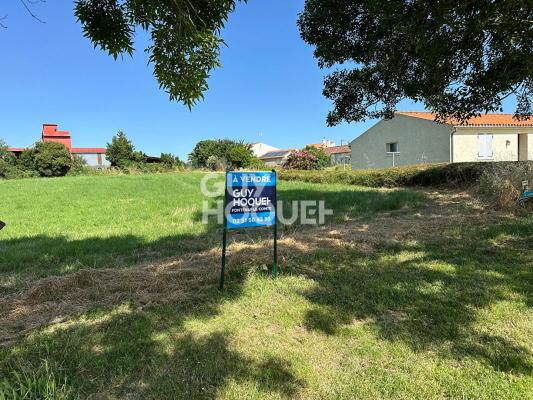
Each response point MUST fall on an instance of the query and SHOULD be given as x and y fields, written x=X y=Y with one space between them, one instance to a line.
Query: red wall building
x=94 y=156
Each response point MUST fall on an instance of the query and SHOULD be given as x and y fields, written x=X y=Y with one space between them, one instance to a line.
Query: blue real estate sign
x=250 y=199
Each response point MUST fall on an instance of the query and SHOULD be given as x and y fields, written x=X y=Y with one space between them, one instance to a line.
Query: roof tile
x=482 y=120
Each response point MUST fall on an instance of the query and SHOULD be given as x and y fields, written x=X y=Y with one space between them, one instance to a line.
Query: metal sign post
x=249 y=202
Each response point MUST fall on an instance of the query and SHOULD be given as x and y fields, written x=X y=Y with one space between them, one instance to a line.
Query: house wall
x=65 y=141
x=504 y=143
x=419 y=141
x=95 y=160
x=272 y=162
x=340 y=158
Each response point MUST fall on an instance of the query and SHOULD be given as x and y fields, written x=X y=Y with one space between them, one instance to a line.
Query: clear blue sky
x=269 y=89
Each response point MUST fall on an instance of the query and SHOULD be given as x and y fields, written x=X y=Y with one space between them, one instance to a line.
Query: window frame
x=387 y=148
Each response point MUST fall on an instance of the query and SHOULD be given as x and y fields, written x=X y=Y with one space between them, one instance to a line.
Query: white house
x=415 y=138
x=262 y=148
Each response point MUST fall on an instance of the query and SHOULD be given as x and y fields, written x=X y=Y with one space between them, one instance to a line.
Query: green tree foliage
x=238 y=154
x=5 y=155
x=323 y=159
x=184 y=37
x=257 y=164
x=26 y=159
x=171 y=161
x=8 y=163
x=460 y=58
x=121 y=152
x=301 y=160
x=78 y=166
x=51 y=159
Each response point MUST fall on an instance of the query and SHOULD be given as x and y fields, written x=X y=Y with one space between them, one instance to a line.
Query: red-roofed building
x=94 y=156
x=339 y=155
x=415 y=137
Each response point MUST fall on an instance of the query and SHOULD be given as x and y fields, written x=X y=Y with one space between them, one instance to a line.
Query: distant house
x=324 y=144
x=94 y=156
x=273 y=158
x=415 y=138
x=339 y=155
x=261 y=148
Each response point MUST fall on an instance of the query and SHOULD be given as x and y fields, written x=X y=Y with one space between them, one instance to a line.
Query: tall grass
x=27 y=383
x=501 y=183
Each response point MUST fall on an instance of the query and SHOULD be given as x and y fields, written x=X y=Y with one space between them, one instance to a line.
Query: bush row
x=461 y=175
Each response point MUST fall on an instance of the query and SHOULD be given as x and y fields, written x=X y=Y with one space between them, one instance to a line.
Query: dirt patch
x=58 y=298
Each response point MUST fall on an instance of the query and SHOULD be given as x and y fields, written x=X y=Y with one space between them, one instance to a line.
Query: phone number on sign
x=252 y=219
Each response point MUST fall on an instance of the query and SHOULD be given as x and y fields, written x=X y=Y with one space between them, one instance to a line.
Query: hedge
x=455 y=175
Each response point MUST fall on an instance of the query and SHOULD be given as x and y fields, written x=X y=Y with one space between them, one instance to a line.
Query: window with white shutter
x=484 y=145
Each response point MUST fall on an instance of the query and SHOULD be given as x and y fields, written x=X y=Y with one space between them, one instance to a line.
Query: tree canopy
x=185 y=37
x=207 y=153
x=121 y=151
x=460 y=58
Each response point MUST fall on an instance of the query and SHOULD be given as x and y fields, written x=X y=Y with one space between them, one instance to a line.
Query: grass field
x=402 y=295
x=57 y=226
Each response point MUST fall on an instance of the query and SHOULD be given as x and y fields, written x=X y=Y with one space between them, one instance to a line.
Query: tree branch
x=30 y=11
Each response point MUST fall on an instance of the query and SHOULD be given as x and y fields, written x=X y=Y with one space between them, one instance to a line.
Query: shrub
x=257 y=164
x=301 y=160
x=171 y=161
x=10 y=171
x=501 y=183
x=457 y=175
x=215 y=164
x=6 y=155
x=51 y=159
x=240 y=156
x=79 y=166
x=26 y=160
x=9 y=167
x=323 y=159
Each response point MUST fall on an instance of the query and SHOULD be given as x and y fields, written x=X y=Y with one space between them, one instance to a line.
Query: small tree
x=51 y=159
x=301 y=160
x=121 y=152
x=323 y=159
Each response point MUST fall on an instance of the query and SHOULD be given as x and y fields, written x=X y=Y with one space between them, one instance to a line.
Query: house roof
x=337 y=150
x=276 y=154
x=87 y=150
x=482 y=120
x=16 y=149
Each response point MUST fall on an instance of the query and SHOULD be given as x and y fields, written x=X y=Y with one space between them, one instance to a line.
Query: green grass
x=57 y=226
x=446 y=316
